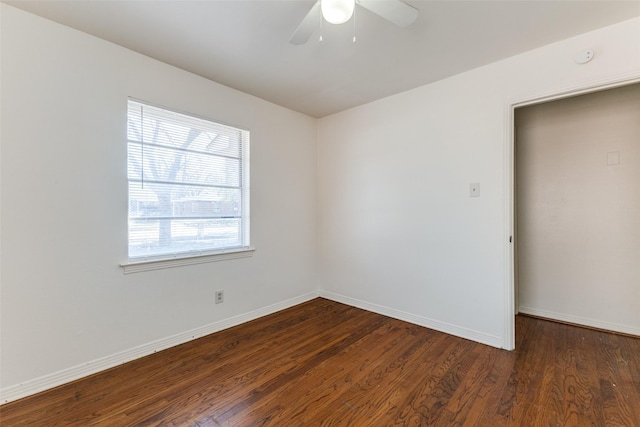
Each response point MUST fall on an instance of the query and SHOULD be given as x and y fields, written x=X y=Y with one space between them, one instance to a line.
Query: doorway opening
x=511 y=274
x=576 y=209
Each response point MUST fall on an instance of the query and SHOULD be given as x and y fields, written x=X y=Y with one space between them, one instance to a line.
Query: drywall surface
x=578 y=197
x=65 y=300
x=398 y=230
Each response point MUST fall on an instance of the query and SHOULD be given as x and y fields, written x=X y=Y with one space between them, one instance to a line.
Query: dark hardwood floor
x=324 y=363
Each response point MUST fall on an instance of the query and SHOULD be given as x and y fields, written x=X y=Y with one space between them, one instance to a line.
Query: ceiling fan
x=340 y=11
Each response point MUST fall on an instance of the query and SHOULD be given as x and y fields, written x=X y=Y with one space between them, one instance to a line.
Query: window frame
x=195 y=256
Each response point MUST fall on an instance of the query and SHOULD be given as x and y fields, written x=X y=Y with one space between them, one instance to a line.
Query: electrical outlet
x=474 y=189
x=219 y=296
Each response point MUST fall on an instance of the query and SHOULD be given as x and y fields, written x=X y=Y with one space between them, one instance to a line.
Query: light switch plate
x=613 y=158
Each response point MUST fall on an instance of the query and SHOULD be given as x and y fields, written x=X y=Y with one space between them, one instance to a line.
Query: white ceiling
x=244 y=44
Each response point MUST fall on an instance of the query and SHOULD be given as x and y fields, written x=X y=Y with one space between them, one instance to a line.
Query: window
x=188 y=185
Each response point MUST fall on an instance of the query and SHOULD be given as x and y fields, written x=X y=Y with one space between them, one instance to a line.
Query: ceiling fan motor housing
x=337 y=11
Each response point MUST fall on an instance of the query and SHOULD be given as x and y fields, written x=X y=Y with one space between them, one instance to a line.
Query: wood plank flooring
x=326 y=364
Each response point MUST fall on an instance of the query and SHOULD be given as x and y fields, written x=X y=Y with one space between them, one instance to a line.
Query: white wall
x=398 y=232
x=65 y=301
x=579 y=209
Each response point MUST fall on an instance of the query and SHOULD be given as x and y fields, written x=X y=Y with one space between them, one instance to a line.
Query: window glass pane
x=168 y=201
x=165 y=164
x=188 y=192
x=152 y=237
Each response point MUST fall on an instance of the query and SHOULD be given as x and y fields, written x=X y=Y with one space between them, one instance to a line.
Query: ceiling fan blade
x=310 y=22
x=395 y=11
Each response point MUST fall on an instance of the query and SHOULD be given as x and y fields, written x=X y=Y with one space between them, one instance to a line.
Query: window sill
x=157 y=264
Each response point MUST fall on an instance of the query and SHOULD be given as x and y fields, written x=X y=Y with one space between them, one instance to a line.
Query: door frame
x=510 y=292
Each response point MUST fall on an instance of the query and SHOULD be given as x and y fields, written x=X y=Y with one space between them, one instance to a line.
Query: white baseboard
x=46 y=382
x=578 y=320
x=447 y=328
x=55 y=379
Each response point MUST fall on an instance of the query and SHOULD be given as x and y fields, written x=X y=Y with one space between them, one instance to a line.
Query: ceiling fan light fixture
x=337 y=11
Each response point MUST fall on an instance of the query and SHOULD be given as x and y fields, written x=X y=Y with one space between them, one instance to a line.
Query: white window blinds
x=188 y=184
